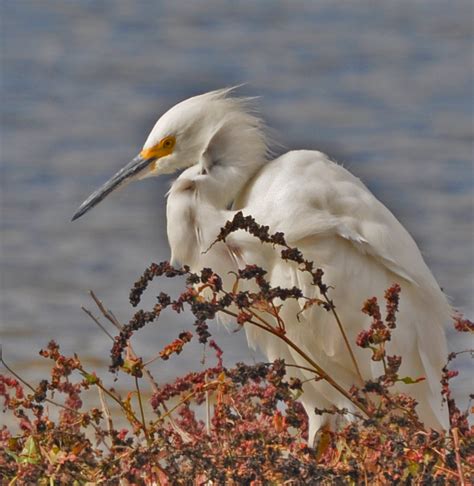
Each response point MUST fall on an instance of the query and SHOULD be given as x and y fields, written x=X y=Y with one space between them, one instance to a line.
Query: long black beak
x=120 y=179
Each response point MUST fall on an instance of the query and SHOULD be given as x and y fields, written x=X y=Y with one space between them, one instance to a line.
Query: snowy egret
x=219 y=144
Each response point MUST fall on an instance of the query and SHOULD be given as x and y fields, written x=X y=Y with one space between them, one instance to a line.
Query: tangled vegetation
x=220 y=425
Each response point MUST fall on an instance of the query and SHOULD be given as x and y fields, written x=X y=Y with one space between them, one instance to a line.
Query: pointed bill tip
x=83 y=208
x=121 y=178
x=92 y=201
x=77 y=215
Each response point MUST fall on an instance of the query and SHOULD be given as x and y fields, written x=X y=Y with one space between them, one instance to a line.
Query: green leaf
x=92 y=379
x=414 y=468
x=410 y=381
x=30 y=453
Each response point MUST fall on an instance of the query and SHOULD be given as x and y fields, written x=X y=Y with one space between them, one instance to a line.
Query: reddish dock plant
x=238 y=425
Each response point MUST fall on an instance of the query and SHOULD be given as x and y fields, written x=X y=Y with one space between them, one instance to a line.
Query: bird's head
x=206 y=130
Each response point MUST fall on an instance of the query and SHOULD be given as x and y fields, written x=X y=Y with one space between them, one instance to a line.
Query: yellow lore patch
x=161 y=149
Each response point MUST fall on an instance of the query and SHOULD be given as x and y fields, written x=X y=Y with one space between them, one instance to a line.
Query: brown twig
x=106 y=410
x=344 y=336
x=317 y=369
x=111 y=317
x=447 y=471
x=128 y=411
x=182 y=401
x=89 y=313
x=142 y=413
x=455 y=434
x=208 y=408
x=108 y=314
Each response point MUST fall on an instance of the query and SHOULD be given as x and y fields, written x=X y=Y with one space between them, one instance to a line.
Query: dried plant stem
x=181 y=402
x=18 y=377
x=151 y=380
x=344 y=336
x=108 y=314
x=173 y=408
x=142 y=413
x=105 y=312
x=208 y=409
x=128 y=411
x=317 y=369
x=447 y=471
x=455 y=433
x=306 y=368
x=106 y=410
x=89 y=313
x=341 y=328
x=151 y=360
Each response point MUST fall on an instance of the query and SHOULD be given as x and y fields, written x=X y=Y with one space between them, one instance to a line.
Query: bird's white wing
x=303 y=194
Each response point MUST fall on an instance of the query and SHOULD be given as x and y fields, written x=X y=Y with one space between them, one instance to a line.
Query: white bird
x=219 y=145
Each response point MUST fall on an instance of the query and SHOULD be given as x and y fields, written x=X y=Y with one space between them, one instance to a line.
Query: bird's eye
x=168 y=142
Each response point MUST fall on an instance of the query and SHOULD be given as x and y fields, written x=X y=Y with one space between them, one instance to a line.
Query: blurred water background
x=383 y=87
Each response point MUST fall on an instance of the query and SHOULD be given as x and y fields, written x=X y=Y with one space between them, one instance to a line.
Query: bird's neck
x=198 y=203
x=234 y=154
x=219 y=181
x=224 y=182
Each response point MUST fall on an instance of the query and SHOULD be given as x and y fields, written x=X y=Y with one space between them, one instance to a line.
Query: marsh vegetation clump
x=242 y=424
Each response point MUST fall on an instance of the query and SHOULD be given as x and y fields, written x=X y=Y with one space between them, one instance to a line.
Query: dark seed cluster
x=153 y=271
x=138 y=321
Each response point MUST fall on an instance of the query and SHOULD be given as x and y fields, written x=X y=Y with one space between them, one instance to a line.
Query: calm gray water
x=384 y=87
